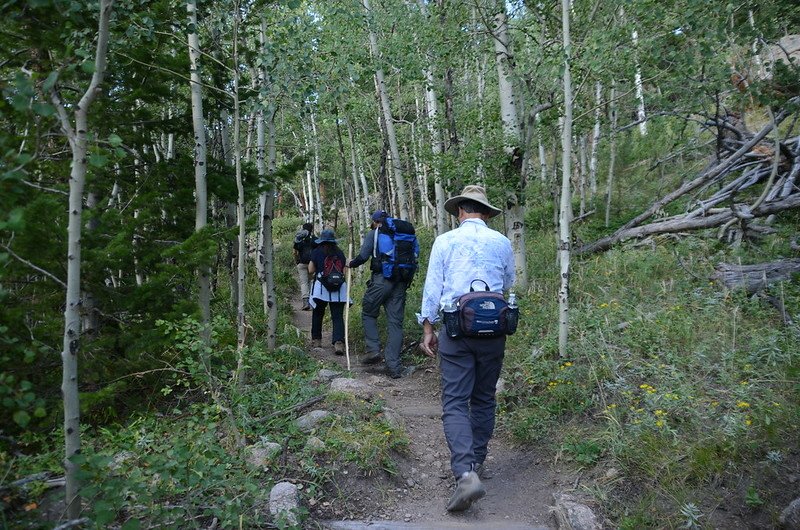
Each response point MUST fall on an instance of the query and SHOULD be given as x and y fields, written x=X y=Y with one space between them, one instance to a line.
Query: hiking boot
x=480 y=470
x=316 y=343
x=372 y=358
x=338 y=347
x=403 y=372
x=468 y=490
x=305 y=307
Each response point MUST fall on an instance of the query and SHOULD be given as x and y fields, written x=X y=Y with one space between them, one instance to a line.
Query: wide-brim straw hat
x=326 y=236
x=471 y=193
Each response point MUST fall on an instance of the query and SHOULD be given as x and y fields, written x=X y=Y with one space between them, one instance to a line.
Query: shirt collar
x=473 y=220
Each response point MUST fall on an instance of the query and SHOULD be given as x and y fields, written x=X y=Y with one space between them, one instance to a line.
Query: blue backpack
x=397 y=249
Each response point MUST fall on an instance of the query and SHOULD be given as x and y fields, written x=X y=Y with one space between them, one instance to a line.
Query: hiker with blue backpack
x=392 y=246
x=327 y=264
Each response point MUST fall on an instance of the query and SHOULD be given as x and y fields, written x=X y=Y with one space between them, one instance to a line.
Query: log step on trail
x=499 y=524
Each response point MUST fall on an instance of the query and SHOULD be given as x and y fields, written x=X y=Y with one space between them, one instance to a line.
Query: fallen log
x=680 y=224
x=754 y=278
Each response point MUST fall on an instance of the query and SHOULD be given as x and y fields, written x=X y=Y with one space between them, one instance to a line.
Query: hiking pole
x=347 y=306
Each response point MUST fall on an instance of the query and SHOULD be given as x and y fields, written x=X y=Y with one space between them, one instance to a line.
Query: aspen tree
x=515 y=215
x=391 y=136
x=565 y=210
x=78 y=138
x=200 y=154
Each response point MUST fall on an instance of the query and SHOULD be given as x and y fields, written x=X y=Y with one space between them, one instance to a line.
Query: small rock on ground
x=353 y=387
x=284 y=501
x=307 y=422
x=572 y=515
x=790 y=517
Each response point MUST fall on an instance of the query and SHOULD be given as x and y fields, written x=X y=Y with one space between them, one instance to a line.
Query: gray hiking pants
x=469 y=369
x=392 y=296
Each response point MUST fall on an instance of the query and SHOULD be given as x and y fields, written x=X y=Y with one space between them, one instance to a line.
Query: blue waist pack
x=481 y=314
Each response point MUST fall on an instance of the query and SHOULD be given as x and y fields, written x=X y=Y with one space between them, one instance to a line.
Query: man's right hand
x=430 y=342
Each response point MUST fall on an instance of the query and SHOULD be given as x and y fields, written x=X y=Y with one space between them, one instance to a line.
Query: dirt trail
x=519 y=483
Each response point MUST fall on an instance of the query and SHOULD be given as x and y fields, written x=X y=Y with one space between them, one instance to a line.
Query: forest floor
x=520 y=483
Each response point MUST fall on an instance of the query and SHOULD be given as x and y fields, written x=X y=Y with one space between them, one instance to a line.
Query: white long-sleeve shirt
x=473 y=251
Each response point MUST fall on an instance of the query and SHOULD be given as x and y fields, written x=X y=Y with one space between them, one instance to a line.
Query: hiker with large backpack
x=304 y=244
x=327 y=264
x=392 y=246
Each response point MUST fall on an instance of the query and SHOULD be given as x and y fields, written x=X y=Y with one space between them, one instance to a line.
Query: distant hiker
x=476 y=260
x=303 y=245
x=393 y=248
x=327 y=264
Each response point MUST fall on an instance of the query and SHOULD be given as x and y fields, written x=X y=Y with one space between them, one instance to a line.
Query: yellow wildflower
x=660 y=423
x=743 y=405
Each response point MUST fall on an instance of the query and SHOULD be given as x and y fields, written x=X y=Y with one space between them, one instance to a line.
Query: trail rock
x=315 y=445
x=260 y=454
x=572 y=515
x=308 y=422
x=284 y=501
x=353 y=387
x=394 y=419
x=326 y=375
x=501 y=386
x=790 y=517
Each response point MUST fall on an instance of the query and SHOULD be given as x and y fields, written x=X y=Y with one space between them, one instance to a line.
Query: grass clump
x=682 y=385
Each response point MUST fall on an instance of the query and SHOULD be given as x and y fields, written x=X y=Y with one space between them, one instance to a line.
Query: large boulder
x=284 y=502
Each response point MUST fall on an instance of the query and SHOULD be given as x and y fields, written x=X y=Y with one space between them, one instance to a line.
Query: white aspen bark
x=508 y=104
x=200 y=154
x=265 y=256
x=515 y=215
x=595 y=141
x=399 y=183
x=762 y=73
x=170 y=139
x=565 y=210
x=435 y=134
x=230 y=213
x=78 y=141
x=542 y=156
x=640 y=112
x=241 y=322
x=612 y=110
x=582 y=173
x=361 y=191
x=310 y=204
x=315 y=173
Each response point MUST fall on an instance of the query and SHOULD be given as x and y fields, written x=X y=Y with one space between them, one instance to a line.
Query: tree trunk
x=241 y=322
x=231 y=248
x=399 y=183
x=201 y=195
x=78 y=141
x=565 y=211
x=595 y=142
x=612 y=156
x=640 y=112
x=754 y=278
x=515 y=214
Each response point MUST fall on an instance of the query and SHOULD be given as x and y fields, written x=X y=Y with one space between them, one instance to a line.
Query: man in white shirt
x=469 y=366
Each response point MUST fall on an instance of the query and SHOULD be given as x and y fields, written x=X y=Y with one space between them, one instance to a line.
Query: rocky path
x=519 y=483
